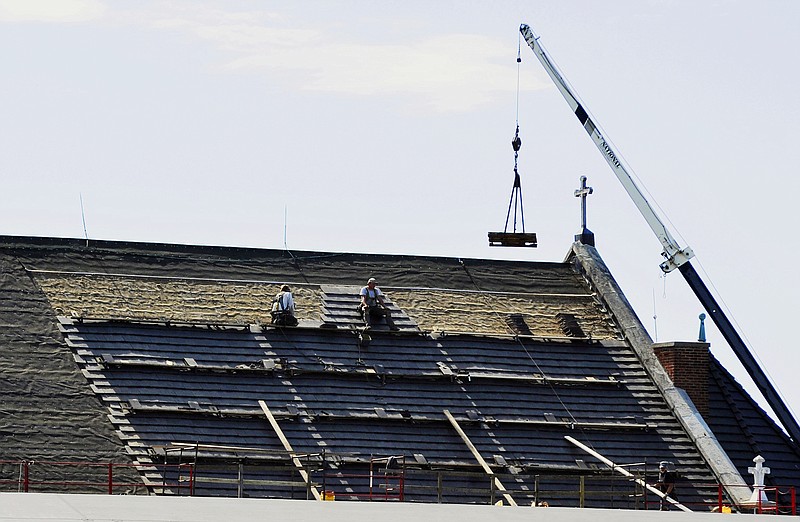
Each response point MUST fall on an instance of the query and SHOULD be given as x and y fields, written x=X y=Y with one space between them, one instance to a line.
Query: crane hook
x=517 y=141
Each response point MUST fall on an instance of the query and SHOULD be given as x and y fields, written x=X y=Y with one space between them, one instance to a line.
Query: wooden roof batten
x=217 y=452
x=387 y=416
x=270 y=366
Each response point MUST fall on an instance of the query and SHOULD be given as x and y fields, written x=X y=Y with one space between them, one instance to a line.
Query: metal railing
x=385 y=481
x=83 y=476
x=784 y=503
x=382 y=479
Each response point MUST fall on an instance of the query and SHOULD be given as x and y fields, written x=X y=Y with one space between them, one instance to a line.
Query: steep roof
x=176 y=352
x=745 y=430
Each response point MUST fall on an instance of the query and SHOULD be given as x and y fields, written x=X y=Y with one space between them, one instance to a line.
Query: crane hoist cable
x=516 y=189
x=514 y=238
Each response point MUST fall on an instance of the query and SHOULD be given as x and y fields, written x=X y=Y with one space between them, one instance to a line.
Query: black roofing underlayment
x=46 y=410
x=343 y=402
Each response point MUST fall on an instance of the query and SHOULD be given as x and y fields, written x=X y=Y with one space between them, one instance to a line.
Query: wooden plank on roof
x=623 y=471
x=288 y=447
x=479 y=458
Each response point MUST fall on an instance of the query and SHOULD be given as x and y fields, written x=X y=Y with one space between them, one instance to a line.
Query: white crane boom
x=676 y=257
x=674 y=254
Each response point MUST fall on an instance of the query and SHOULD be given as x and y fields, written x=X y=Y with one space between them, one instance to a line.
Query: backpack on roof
x=277 y=303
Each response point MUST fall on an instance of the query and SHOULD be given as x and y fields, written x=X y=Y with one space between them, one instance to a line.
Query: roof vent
x=517 y=323
x=569 y=325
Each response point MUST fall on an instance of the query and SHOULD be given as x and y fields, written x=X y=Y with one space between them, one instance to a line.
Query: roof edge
x=599 y=276
x=47 y=242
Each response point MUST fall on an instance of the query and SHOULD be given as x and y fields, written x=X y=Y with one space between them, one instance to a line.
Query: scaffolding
x=228 y=471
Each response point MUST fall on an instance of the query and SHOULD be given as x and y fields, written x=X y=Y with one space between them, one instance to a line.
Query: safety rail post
x=324 y=480
x=371 y=476
x=637 y=489
x=20 y=475
x=240 y=480
x=110 y=478
x=26 y=476
x=719 y=497
x=403 y=487
x=794 y=500
x=403 y=481
x=193 y=465
x=308 y=482
x=643 y=491
x=582 y=491
x=613 y=491
x=536 y=490
x=778 y=500
x=191 y=480
x=179 y=467
x=439 y=487
x=164 y=473
x=491 y=490
x=324 y=472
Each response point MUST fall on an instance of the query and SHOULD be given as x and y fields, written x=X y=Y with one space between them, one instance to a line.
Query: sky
x=386 y=127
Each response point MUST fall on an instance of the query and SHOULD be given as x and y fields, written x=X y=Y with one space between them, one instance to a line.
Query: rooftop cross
x=759 y=471
x=586 y=236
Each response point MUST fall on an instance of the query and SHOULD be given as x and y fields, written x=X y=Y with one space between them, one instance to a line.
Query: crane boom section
x=674 y=254
x=676 y=257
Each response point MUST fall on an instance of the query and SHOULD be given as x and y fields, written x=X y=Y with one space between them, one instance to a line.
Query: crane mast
x=675 y=256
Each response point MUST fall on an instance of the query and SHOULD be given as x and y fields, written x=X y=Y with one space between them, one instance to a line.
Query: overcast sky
x=385 y=127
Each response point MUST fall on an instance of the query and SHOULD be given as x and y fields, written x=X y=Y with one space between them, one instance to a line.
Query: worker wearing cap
x=666 y=483
x=373 y=305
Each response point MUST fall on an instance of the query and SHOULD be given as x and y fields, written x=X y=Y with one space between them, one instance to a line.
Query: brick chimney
x=686 y=364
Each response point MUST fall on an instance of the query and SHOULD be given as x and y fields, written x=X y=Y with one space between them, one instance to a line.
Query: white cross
x=582 y=193
x=758 y=471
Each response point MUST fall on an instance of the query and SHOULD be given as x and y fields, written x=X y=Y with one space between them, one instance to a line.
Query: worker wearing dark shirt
x=666 y=483
x=373 y=305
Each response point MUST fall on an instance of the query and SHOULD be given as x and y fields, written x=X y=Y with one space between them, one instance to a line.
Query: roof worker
x=373 y=306
x=666 y=483
x=283 y=308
